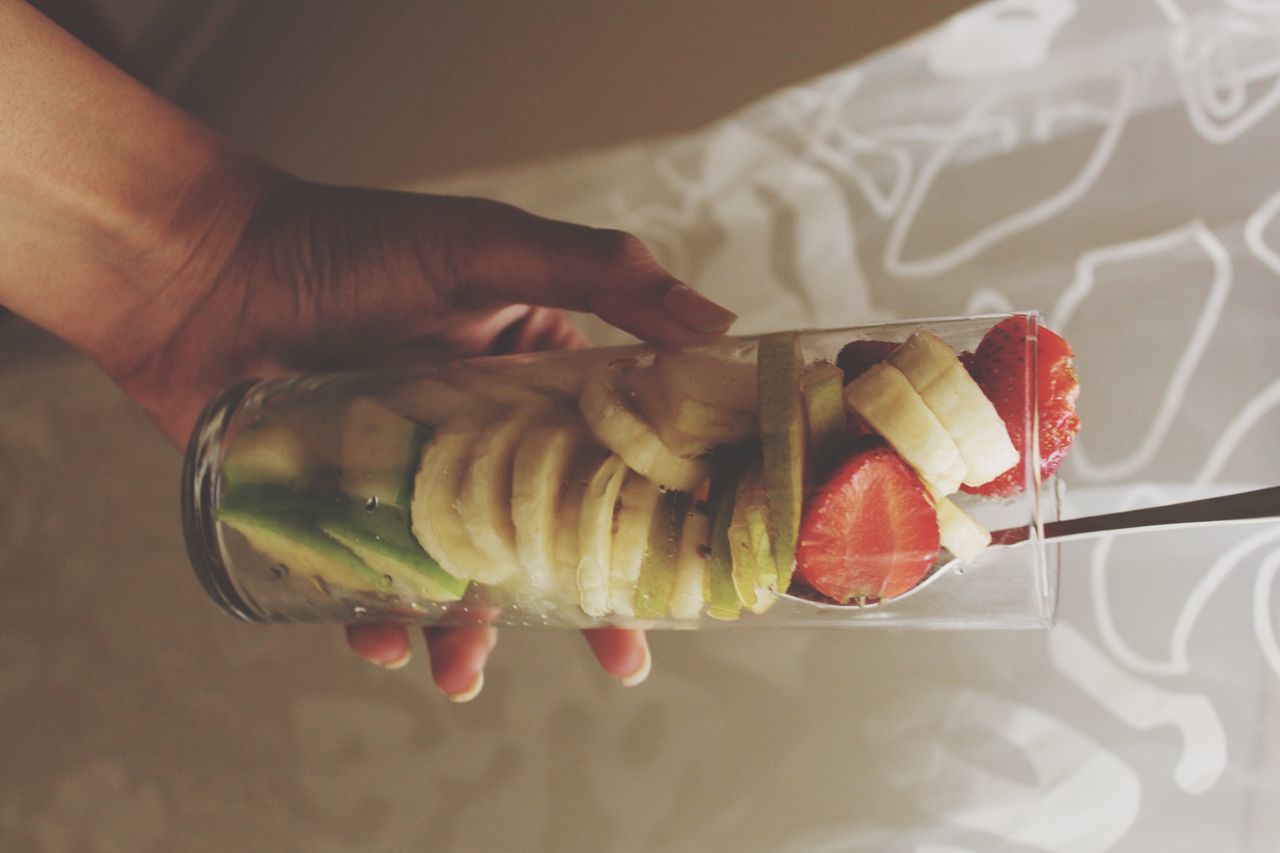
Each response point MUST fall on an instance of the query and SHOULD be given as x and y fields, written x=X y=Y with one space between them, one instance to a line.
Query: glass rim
x=200 y=487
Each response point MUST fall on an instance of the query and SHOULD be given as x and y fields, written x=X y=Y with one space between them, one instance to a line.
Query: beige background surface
x=393 y=91
x=397 y=90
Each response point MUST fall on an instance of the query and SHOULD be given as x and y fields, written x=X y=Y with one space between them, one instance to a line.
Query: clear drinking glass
x=577 y=489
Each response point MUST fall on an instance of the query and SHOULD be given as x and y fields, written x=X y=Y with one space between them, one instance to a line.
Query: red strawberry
x=870 y=531
x=998 y=366
x=855 y=359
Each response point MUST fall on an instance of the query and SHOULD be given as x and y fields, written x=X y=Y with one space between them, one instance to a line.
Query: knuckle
x=622 y=248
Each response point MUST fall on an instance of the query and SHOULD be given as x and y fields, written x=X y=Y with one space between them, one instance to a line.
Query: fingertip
x=696 y=312
x=470 y=693
x=664 y=310
x=383 y=645
x=398 y=664
x=458 y=656
x=622 y=652
x=642 y=672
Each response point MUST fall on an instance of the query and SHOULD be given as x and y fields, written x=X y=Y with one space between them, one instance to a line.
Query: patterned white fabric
x=1110 y=162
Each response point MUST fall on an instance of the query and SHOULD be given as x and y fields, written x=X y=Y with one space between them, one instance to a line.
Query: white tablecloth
x=1111 y=162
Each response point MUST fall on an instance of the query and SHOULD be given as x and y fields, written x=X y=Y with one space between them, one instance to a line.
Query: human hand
x=292 y=276
x=138 y=235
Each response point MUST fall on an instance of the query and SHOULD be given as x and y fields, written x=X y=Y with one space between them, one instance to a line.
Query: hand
x=309 y=277
x=138 y=235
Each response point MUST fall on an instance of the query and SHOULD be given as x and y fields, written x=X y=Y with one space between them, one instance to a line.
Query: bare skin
x=181 y=265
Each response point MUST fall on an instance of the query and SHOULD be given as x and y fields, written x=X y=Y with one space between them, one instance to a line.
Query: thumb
x=500 y=254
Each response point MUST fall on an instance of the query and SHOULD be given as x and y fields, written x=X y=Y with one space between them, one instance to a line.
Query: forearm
x=110 y=198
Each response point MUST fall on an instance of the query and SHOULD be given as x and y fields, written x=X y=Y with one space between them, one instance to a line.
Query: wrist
x=113 y=203
x=162 y=262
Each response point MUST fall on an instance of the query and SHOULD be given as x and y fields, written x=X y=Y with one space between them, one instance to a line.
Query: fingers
x=540 y=329
x=505 y=255
x=384 y=645
x=622 y=652
x=458 y=656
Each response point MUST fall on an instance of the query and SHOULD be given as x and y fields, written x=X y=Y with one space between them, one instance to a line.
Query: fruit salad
x=733 y=483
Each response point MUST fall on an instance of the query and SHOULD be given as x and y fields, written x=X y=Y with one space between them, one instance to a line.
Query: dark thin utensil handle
x=1245 y=506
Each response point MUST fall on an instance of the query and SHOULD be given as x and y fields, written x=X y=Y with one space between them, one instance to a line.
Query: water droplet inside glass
x=386 y=580
x=371 y=504
x=359 y=610
x=279 y=571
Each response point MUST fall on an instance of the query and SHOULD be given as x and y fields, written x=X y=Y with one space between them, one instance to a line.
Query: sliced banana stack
x=618 y=426
x=568 y=538
x=436 y=523
x=885 y=398
x=486 y=500
x=637 y=509
x=595 y=535
x=651 y=401
x=959 y=404
x=541 y=469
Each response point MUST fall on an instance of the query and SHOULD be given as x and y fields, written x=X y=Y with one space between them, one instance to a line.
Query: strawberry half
x=869 y=532
x=999 y=367
x=855 y=359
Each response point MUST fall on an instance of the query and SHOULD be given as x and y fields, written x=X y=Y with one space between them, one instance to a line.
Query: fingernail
x=471 y=692
x=694 y=311
x=642 y=673
x=399 y=663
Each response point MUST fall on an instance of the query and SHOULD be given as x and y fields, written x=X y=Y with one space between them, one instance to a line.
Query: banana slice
x=434 y=512
x=687 y=595
x=583 y=465
x=542 y=464
x=555 y=375
x=957 y=531
x=720 y=382
x=431 y=400
x=489 y=384
x=642 y=384
x=595 y=535
x=620 y=428
x=885 y=399
x=485 y=500
x=955 y=399
x=638 y=505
